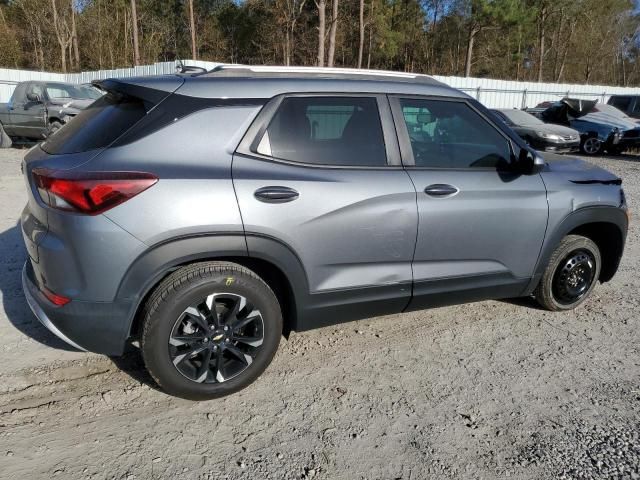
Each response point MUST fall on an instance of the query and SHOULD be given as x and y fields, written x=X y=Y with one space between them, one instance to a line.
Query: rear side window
x=446 y=134
x=621 y=103
x=96 y=127
x=343 y=131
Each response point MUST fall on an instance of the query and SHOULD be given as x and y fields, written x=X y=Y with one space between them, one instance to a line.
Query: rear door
x=321 y=174
x=481 y=225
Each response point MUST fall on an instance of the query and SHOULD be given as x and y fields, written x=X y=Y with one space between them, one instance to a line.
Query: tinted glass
x=451 y=135
x=620 y=102
x=326 y=131
x=105 y=120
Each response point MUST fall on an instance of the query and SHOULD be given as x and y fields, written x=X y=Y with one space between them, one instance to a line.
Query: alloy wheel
x=592 y=145
x=573 y=277
x=216 y=339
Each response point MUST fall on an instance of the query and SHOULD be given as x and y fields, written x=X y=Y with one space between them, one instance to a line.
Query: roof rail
x=281 y=69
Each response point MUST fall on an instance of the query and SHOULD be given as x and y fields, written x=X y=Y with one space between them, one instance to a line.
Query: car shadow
x=528 y=302
x=12 y=258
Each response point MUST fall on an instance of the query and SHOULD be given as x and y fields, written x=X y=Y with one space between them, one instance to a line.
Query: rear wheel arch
x=275 y=263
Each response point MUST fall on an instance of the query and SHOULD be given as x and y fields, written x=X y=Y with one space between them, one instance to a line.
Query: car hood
x=77 y=103
x=551 y=128
x=578 y=171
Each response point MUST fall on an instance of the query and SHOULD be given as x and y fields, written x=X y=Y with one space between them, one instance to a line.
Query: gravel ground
x=486 y=390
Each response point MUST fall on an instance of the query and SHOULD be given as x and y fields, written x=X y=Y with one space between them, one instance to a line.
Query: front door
x=481 y=225
x=322 y=175
x=28 y=116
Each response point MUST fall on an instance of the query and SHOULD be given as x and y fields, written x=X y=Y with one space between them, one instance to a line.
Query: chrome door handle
x=440 y=190
x=276 y=194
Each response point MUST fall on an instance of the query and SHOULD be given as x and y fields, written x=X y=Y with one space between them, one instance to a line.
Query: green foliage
x=583 y=40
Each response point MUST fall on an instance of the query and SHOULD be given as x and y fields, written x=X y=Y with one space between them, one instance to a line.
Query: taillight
x=54 y=298
x=90 y=193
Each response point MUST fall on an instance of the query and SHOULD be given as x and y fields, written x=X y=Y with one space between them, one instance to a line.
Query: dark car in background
x=602 y=127
x=628 y=104
x=541 y=136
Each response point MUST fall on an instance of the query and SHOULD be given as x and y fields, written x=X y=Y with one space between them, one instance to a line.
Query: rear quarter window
x=97 y=126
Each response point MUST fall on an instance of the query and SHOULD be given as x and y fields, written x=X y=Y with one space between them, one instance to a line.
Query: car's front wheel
x=591 y=146
x=210 y=329
x=571 y=274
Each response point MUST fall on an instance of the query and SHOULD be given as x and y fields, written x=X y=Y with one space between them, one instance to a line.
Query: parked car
x=37 y=109
x=206 y=214
x=628 y=104
x=601 y=126
x=540 y=135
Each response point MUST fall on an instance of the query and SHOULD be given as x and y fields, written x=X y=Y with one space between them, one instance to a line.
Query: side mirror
x=530 y=162
x=33 y=97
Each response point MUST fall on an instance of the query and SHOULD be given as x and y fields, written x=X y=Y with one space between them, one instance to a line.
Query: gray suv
x=207 y=214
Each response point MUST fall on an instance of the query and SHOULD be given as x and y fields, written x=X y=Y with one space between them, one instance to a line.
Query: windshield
x=518 y=117
x=63 y=90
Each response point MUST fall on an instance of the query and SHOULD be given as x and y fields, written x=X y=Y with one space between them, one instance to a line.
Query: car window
x=620 y=102
x=446 y=134
x=60 y=90
x=37 y=90
x=97 y=126
x=326 y=131
x=19 y=93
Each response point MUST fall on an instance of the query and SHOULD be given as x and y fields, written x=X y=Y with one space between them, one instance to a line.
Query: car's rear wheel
x=571 y=274
x=210 y=329
x=591 y=146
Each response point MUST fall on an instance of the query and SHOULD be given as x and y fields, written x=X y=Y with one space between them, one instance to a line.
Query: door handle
x=440 y=190
x=276 y=194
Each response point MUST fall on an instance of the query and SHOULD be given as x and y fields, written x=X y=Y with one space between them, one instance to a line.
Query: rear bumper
x=89 y=326
x=39 y=312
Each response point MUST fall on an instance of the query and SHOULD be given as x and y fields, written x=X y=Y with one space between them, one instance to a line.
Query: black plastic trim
x=578 y=218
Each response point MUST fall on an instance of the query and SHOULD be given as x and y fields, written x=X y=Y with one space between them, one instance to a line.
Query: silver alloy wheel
x=217 y=339
x=592 y=145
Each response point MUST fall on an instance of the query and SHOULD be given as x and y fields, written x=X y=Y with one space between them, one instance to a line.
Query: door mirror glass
x=33 y=97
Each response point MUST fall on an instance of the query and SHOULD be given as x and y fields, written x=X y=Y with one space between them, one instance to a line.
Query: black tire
x=574 y=255
x=53 y=127
x=166 y=311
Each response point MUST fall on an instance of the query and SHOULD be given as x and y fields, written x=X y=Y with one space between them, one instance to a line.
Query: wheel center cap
x=217 y=337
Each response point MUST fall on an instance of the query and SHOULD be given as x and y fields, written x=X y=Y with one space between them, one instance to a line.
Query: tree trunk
x=467 y=64
x=134 y=29
x=373 y=2
x=542 y=20
x=361 y=45
x=192 y=24
x=74 y=38
x=61 y=42
x=322 y=5
x=332 y=34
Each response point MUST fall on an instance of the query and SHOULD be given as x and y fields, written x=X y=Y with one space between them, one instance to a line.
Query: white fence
x=492 y=93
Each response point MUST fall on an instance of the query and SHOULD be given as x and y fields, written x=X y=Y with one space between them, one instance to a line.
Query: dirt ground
x=486 y=390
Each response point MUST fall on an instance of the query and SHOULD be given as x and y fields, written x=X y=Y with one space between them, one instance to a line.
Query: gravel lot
x=486 y=390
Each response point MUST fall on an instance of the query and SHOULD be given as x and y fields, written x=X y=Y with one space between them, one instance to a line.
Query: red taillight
x=90 y=193
x=54 y=298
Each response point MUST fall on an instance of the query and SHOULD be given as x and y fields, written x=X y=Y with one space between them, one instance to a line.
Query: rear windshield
x=96 y=127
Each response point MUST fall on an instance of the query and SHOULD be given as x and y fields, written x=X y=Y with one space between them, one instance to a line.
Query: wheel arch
x=606 y=226
x=270 y=259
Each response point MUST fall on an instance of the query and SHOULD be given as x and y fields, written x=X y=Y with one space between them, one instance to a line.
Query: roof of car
x=241 y=81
